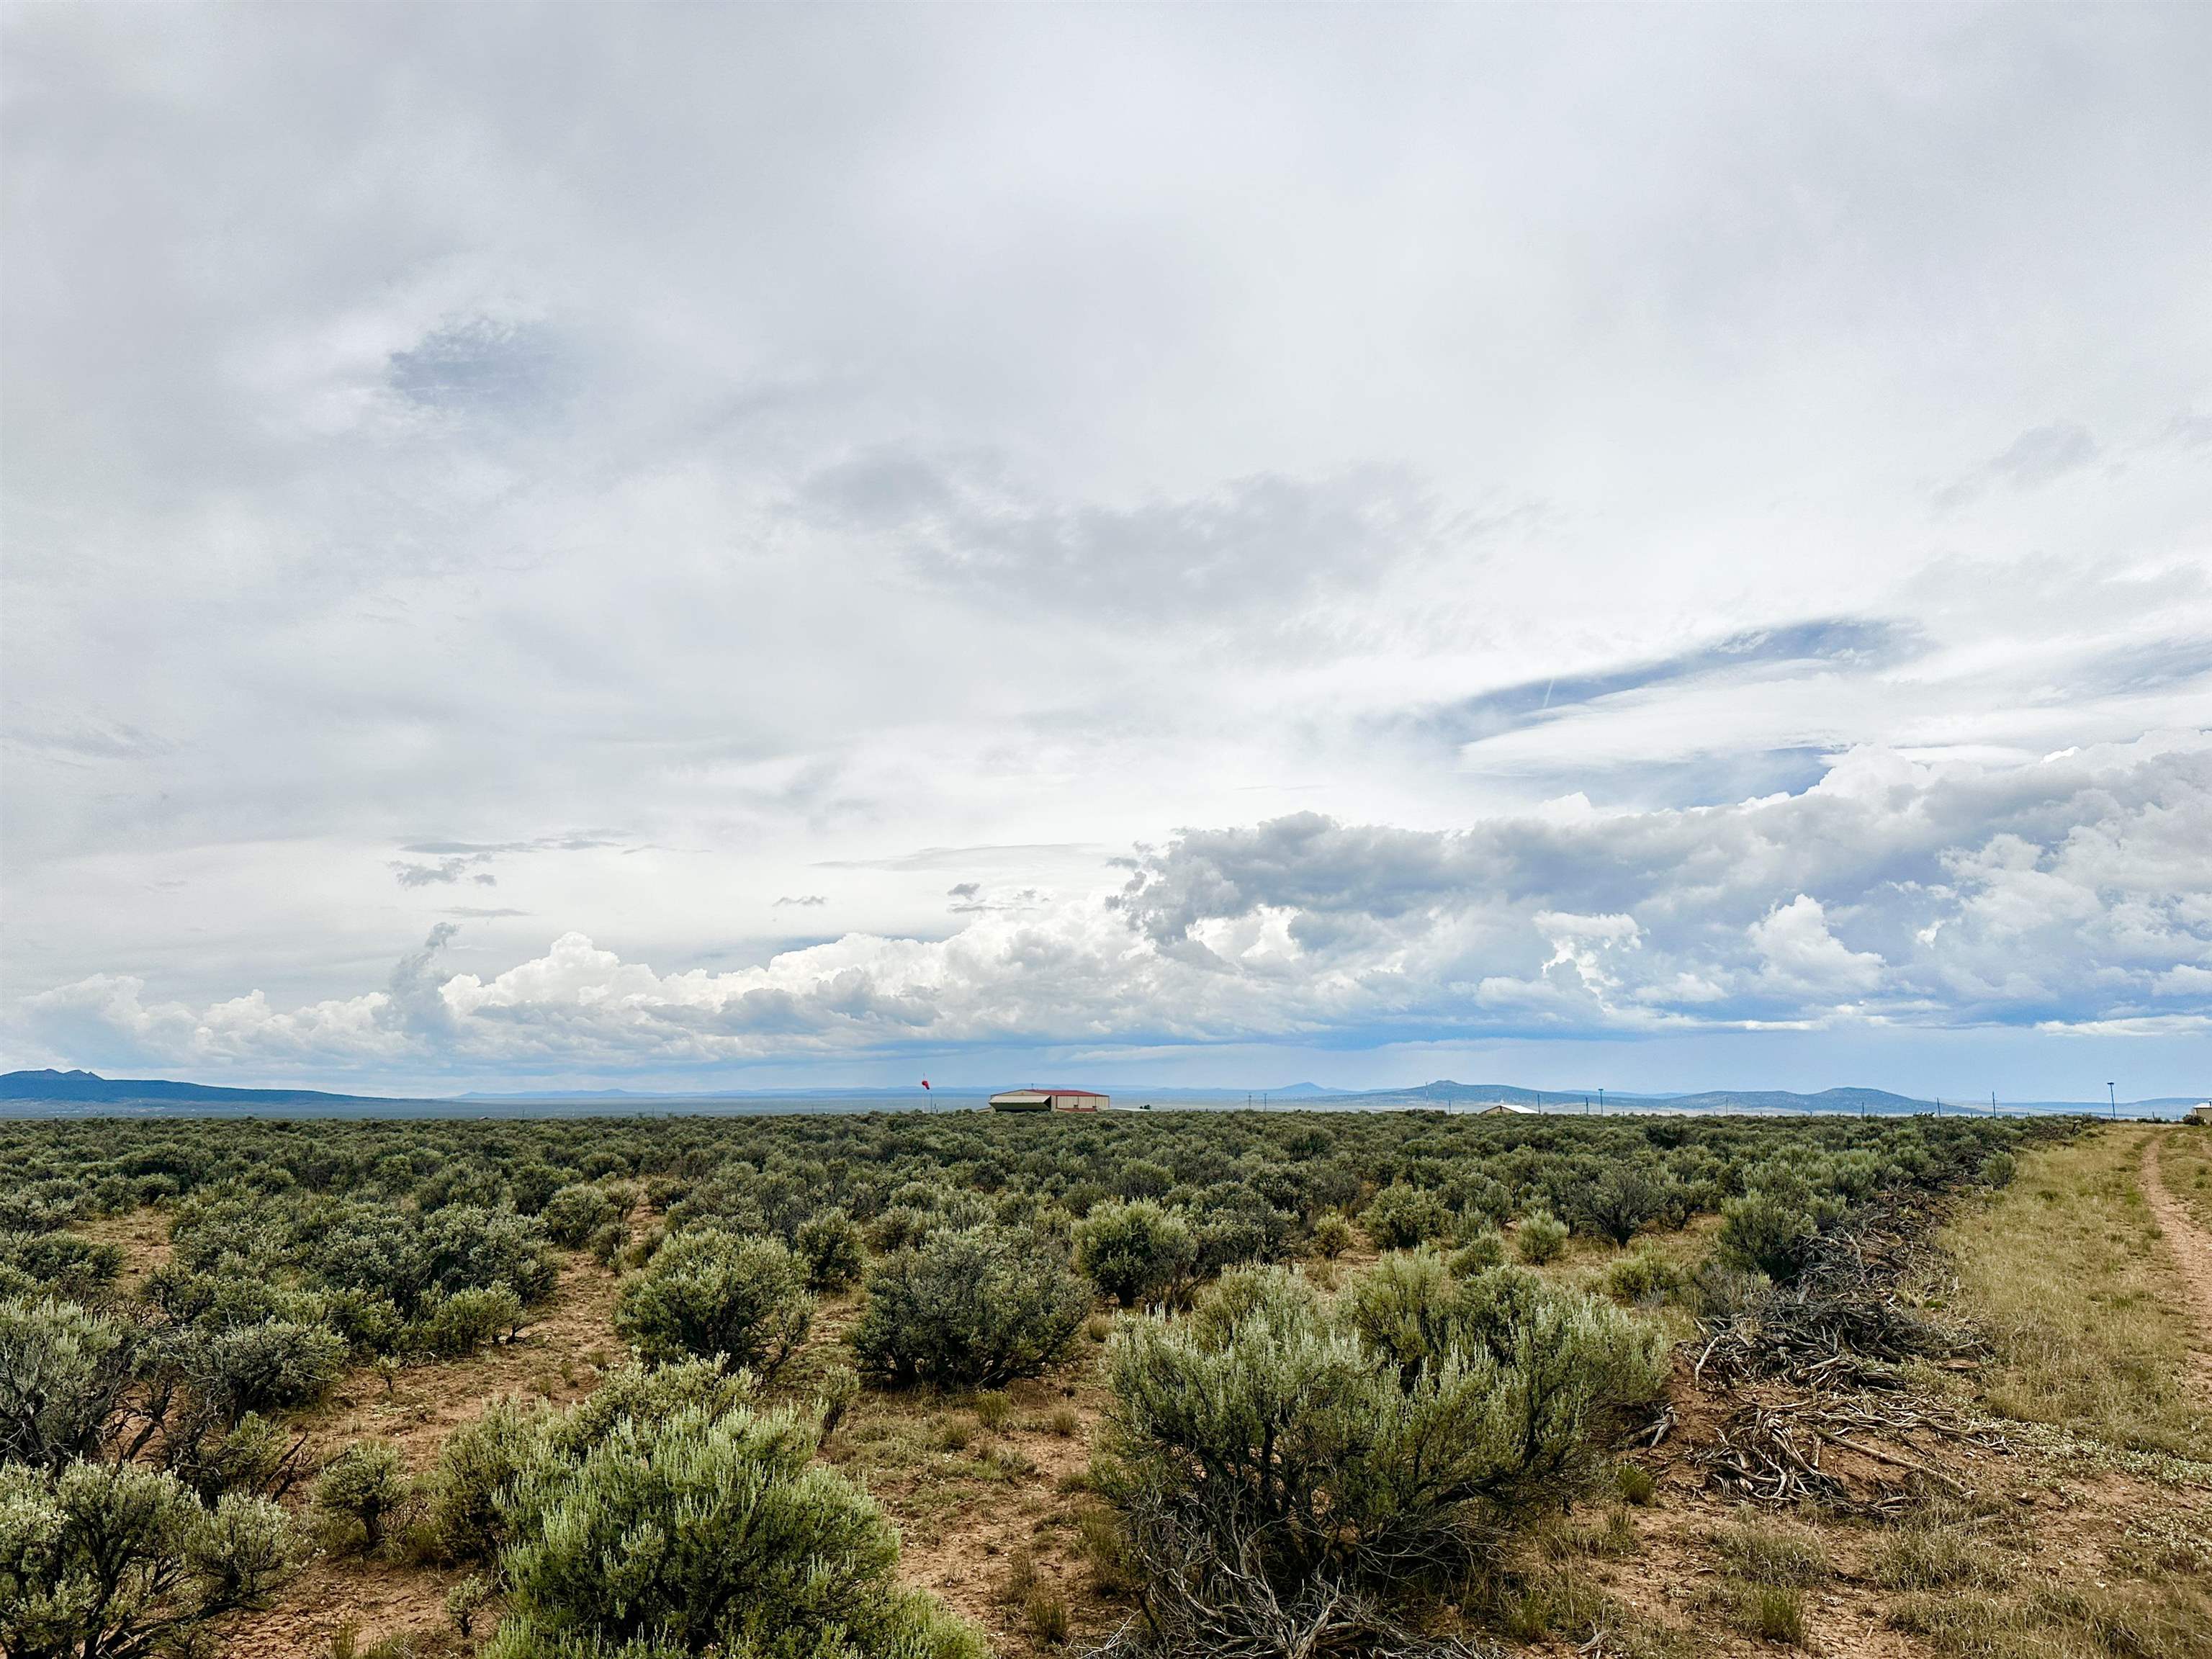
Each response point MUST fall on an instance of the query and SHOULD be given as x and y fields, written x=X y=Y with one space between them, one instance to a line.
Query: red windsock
x=924 y=1083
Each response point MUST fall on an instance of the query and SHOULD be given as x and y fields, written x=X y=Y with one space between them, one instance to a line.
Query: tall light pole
x=2115 y=1102
x=1601 y=1100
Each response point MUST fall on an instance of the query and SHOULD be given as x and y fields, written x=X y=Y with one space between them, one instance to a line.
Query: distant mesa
x=90 y=1086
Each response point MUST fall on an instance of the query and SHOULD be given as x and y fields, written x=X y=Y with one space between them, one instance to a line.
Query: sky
x=694 y=547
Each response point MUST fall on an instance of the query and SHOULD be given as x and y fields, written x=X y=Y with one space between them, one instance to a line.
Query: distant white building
x=1050 y=1100
x=2199 y=1113
x=1504 y=1108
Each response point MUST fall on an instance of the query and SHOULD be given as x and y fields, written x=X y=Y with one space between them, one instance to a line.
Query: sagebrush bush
x=1390 y=1436
x=101 y=1560
x=968 y=1308
x=1333 y=1236
x=360 y=1491
x=1401 y=1217
x=1483 y=1248
x=1626 y=1196
x=573 y=1213
x=59 y=1263
x=478 y=1462
x=1772 y=1228
x=776 y=1553
x=1540 y=1238
x=269 y=1365
x=706 y=1293
x=451 y=1326
x=1644 y=1276
x=830 y=1245
x=1136 y=1253
x=64 y=1377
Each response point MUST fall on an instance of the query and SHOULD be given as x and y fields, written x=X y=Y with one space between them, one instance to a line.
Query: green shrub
x=1333 y=1236
x=1773 y=1229
x=1136 y=1253
x=968 y=1308
x=61 y=1263
x=835 y=1391
x=451 y=1326
x=830 y=1245
x=255 y=1456
x=1540 y=1238
x=1625 y=1197
x=269 y=1365
x=64 y=1375
x=1401 y=1217
x=1634 y=1483
x=775 y=1555
x=1484 y=1250
x=478 y=1461
x=573 y=1213
x=1393 y=1435
x=101 y=1560
x=464 y=1600
x=360 y=1491
x=1645 y=1276
x=707 y=1293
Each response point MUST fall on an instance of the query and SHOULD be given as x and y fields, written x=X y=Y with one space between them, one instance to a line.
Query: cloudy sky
x=684 y=546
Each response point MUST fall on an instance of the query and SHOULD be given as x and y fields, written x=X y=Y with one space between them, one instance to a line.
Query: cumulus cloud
x=1802 y=956
x=1946 y=895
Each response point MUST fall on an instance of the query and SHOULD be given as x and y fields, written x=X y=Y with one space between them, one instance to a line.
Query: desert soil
x=2190 y=1244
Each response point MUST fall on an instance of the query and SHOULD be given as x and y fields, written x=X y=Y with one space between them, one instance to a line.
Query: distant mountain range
x=51 y=1093
x=61 y=1086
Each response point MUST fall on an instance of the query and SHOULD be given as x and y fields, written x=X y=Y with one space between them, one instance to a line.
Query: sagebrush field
x=935 y=1385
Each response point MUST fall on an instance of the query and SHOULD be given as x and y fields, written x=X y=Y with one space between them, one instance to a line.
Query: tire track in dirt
x=2192 y=1249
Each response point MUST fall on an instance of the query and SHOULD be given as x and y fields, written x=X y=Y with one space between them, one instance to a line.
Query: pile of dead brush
x=1850 y=1321
x=1821 y=1365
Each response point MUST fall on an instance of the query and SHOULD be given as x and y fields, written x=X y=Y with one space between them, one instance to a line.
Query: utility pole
x=2114 y=1101
x=1601 y=1100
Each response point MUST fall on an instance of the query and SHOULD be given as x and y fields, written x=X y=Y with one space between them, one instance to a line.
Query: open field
x=2015 y=1459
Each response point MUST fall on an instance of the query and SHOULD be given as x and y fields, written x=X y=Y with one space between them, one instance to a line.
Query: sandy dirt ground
x=2192 y=1245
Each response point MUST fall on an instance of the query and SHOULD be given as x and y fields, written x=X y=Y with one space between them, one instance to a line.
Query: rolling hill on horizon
x=87 y=1091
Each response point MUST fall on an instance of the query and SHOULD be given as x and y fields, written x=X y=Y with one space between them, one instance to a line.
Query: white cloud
x=1500 y=456
x=1303 y=928
x=1802 y=956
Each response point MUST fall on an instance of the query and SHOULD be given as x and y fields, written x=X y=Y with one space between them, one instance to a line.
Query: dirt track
x=2192 y=1249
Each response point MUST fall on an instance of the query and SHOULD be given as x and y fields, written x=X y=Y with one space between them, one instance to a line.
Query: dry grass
x=2067 y=1275
x=2115 y=1621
